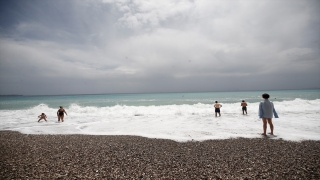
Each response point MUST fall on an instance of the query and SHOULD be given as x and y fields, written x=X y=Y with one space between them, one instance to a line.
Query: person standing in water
x=244 y=106
x=42 y=116
x=266 y=112
x=217 y=107
x=60 y=113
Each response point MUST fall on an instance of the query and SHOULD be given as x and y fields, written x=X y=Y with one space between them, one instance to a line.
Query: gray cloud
x=157 y=46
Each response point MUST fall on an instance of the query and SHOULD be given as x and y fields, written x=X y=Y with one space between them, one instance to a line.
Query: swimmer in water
x=60 y=114
x=42 y=116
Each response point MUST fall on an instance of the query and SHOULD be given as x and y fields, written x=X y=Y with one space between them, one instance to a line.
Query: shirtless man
x=217 y=107
x=42 y=116
x=60 y=113
x=266 y=112
x=244 y=106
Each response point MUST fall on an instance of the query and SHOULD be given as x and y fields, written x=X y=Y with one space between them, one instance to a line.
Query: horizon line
x=160 y=92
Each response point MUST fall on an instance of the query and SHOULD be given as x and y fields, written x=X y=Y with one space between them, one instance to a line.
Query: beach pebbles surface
x=25 y=156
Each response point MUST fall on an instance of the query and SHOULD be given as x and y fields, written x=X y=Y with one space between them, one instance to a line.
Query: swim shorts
x=217 y=110
x=244 y=108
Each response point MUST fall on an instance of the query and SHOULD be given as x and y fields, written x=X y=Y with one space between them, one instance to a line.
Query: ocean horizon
x=72 y=94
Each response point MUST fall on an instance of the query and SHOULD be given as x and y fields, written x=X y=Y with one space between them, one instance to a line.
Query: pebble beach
x=26 y=156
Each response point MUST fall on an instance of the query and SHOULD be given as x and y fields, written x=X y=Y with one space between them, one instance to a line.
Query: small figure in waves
x=217 y=107
x=244 y=106
x=42 y=116
x=60 y=114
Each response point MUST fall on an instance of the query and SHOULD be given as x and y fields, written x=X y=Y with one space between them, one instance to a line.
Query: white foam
x=299 y=120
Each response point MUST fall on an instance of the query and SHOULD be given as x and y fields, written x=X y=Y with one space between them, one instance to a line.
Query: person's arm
x=65 y=112
x=260 y=110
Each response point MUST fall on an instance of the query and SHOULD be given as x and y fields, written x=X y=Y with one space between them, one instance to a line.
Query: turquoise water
x=176 y=116
x=107 y=100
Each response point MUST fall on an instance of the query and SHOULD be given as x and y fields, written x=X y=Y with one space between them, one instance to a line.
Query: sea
x=176 y=116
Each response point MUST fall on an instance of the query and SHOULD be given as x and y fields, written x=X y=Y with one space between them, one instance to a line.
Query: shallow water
x=176 y=116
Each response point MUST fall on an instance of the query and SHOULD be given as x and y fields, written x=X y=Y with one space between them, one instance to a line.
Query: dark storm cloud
x=111 y=46
x=59 y=21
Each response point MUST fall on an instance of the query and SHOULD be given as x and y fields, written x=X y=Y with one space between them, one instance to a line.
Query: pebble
x=134 y=157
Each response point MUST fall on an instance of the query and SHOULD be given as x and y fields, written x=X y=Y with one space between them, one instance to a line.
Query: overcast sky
x=136 y=46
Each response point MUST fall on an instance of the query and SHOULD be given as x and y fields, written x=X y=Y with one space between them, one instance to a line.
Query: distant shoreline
x=11 y=95
x=168 y=92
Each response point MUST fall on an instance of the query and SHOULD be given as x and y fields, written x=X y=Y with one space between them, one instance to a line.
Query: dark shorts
x=217 y=110
x=244 y=108
x=61 y=113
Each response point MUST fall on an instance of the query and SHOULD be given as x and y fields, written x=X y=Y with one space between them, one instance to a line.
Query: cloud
x=152 y=13
x=149 y=46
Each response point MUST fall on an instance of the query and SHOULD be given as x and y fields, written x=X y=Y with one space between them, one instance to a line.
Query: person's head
x=265 y=96
x=216 y=101
x=61 y=107
x=242 y=100
x=42 y=113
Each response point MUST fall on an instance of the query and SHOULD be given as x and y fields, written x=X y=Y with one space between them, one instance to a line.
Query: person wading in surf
x=244 y=106
x=217 y=107
x=42 y=116
x=266 y=112
x=60 y=113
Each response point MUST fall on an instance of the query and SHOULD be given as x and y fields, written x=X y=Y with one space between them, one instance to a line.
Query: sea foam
x=299 y=120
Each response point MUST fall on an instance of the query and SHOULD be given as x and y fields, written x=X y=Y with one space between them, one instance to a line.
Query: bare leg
x=58 y=118
x=219 y=114
x=216 y=114
x=264 y=126
x=271 y=125
x=62 y=118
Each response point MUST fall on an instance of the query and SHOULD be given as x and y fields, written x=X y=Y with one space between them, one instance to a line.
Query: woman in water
x=60 y=113
x=266 y=112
